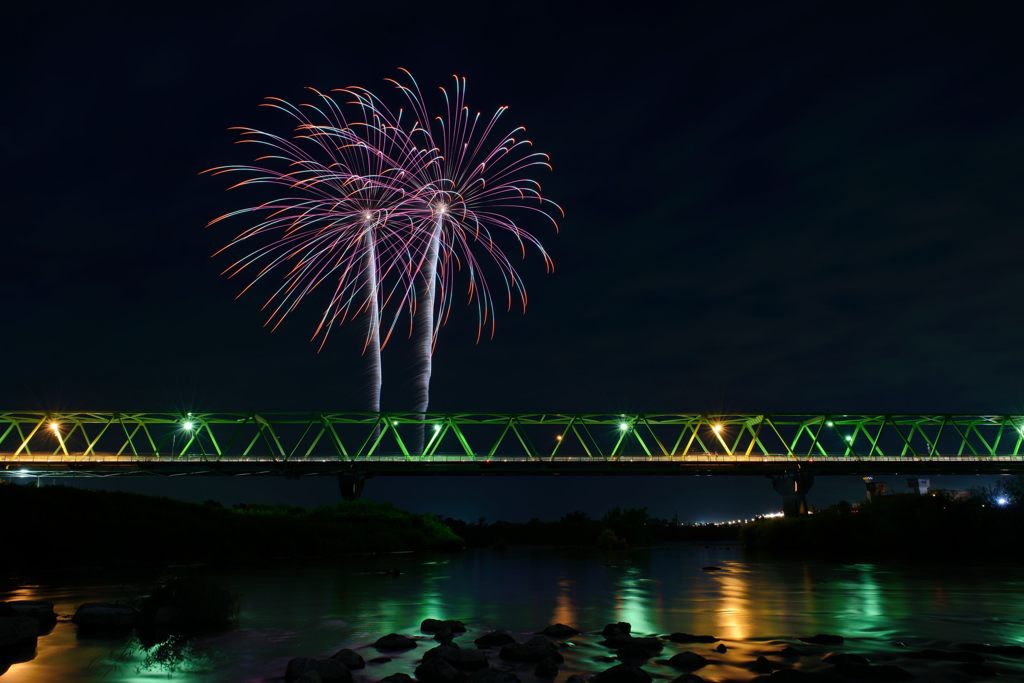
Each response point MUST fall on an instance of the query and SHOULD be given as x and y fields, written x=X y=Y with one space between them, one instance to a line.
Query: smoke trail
x=373 y=333
x=425 y=329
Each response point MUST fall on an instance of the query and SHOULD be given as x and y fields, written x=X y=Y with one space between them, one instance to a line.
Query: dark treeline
x=60 y=528
x=986 y=524
x=630 y=527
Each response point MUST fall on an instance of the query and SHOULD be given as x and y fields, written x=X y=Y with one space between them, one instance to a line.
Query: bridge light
x=848 y=438
x=717 y=428
x=830 y=423
x=437 y=428
x=55 y=427
x=188 y=425
x=623 y=426
x=558 y=438
x=1002 y=501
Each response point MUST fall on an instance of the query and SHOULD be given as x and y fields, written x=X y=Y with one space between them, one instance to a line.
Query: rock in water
x=350 y=658
x=721 y=648
x=33 y=609
x=687 y=661
x=17 y=631
x=621 y=628
x=397 y=678
x=100 y=615
x=394 y=642
x=533 y=650
x=761 y=666
x=790 y=652
x=622 y=673
x=546 y=668
x=494 y=639
x=689 y=678
x=329 y=670
x=437 y=670
x=824 y=639
x=845 y=659
x=559 y=631
x=493 y=676
x=690 y=638
x=437 y=625
x=463 y=660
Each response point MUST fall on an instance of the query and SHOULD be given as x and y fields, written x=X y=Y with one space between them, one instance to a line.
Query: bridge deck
x=106 y=464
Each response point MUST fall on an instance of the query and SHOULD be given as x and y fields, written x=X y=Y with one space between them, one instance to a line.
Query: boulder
x=845 y=659
x=493 y=676
x=687 y=661
x=761 y=665
x=721 y=648
x=350 y=658
x=546 y=668
x=379 y=660
x=690 y=638
x=329 y=670
x=533 y=650
x=688 y=678
x=17 y=631
x=639 y=650
x=438 y=625
x=463 y=660
x=823 y=639
x=101 y=615
x=33 y=609
x=622 y=673
x=620 y=628
x=397 y=678
x=494 y=639
x=394 y=642
x=438 y=670
x=559 y=631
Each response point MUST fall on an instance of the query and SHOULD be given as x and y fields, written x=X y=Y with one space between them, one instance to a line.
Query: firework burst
x=388 y=208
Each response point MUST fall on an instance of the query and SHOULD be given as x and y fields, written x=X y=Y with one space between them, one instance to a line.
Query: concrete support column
x=793 y=487
x=351 y=485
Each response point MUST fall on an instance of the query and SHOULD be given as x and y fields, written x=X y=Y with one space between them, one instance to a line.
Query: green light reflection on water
x=635 y=601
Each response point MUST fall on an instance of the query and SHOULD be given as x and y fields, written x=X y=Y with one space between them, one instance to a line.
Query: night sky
x=774 y=207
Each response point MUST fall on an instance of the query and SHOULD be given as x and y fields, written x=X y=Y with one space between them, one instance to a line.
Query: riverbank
x=57 y=528
x=897 y=527
x=619 y=528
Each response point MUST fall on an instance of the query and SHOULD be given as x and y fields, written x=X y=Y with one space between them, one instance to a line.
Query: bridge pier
x=351 y=485
x=793 y=487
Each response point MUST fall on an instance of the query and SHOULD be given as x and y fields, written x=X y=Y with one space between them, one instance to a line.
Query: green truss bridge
x=36 y=443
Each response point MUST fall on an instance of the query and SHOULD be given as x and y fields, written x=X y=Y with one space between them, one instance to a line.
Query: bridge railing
x=31 y=435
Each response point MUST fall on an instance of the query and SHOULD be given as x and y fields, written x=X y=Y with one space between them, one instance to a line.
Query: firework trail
x=337 y=217
x=470 y=197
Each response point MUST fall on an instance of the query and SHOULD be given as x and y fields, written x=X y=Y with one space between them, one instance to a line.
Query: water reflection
x=316 y=610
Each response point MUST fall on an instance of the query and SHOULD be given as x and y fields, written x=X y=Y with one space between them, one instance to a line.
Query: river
x=754 y=607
